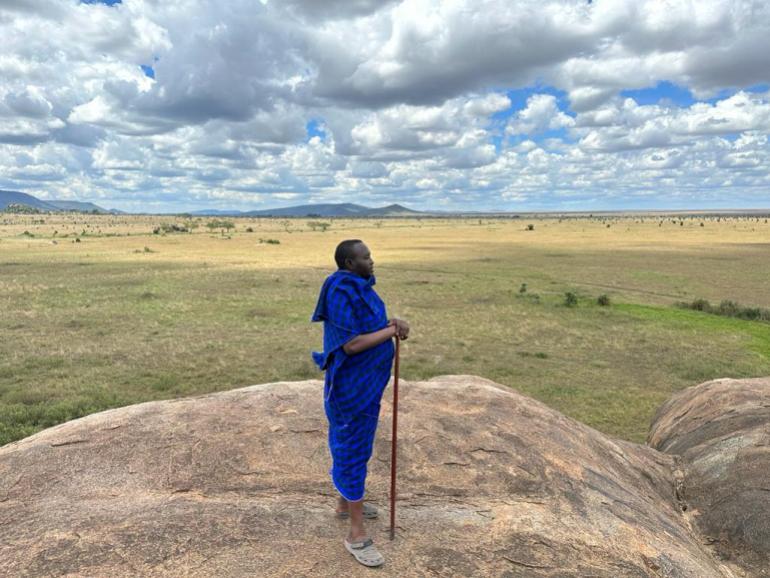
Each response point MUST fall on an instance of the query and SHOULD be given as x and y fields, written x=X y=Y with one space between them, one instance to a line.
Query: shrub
x=220 y=224
x=530 y=227
x=700 y=305
x=315 y=225
x=728 y=308
x=270 y=241
x=603 y=300
x=169 y=228
x=570 y=299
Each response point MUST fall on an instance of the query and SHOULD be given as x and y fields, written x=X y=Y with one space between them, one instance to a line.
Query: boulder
x=719 y=432
x=236 y=483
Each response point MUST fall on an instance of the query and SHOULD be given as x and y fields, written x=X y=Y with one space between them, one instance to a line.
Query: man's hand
x=402 y=327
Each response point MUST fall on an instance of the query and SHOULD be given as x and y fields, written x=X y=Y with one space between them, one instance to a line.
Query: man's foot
x=364 y=551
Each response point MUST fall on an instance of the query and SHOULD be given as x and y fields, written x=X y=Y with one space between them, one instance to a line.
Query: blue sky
x=523 y=105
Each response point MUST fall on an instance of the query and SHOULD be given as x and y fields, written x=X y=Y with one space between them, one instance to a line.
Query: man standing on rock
x=358 y=355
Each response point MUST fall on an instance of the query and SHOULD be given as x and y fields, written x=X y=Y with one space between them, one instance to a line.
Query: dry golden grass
x=126 y=315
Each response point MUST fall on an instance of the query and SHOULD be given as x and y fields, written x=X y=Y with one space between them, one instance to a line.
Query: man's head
x=352 y=255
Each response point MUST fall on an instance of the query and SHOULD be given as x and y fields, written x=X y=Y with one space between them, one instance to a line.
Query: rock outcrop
x=720 y=433
x=490 y=483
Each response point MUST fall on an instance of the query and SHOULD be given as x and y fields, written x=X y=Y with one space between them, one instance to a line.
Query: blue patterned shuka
x=353 y=384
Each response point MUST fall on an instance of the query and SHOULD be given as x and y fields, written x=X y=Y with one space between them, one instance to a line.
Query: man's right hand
x=402 y=327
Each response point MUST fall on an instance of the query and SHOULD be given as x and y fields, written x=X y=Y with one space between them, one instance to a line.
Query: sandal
x=370 y=512
x=365 y=552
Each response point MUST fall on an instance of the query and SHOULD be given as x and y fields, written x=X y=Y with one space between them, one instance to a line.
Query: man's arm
x=368 y=340
x=396 y=328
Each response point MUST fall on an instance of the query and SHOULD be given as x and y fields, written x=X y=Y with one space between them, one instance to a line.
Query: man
x=358 y=354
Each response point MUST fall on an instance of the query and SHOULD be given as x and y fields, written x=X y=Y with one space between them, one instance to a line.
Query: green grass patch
x=755 y=334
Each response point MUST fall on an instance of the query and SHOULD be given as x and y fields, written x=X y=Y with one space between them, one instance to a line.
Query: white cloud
x=541 y=114
x=412 y=96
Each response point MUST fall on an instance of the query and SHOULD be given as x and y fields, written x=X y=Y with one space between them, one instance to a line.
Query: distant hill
x=214 y=213
x=82 y=207
x=15 y=198
x=54 y=206
x=333 y=210
x=318 y=210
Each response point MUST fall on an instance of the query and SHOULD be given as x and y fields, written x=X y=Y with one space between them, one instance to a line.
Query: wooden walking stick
x=393 y=448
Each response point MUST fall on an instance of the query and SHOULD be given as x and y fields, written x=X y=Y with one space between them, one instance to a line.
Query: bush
x=701 y=305
x=530 y=227
x=603 y=300
x=270 y=241
x=570 y=299
x=523 y=288
x=315 y=225
x=169 y=228
x=220 y=224
x=728 y=308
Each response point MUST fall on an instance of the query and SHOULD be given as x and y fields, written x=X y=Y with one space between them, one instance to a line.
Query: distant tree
x=315 y=225
x=220 y=224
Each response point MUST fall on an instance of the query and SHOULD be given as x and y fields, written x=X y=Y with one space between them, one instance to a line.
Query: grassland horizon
x=101 y=311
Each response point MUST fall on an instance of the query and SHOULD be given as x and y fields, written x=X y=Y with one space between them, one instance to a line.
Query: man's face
x=361 y=264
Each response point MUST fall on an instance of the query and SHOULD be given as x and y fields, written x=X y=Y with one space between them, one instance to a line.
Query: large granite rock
x=491 y=483
x=720 y=433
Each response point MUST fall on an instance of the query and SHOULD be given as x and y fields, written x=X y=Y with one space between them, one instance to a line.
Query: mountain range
x=320 y=210
x=54 y=206
x=317 y=210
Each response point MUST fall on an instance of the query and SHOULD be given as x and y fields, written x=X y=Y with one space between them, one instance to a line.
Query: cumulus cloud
x=628 y=125
x=181 y=105
x=541 y=114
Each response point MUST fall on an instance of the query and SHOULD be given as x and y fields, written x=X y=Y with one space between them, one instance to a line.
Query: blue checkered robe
x=353 y=384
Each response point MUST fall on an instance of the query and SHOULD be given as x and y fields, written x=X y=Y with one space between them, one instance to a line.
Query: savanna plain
x=102 y=311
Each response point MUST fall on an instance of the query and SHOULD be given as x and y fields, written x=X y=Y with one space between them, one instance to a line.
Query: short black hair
x=345 y=251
